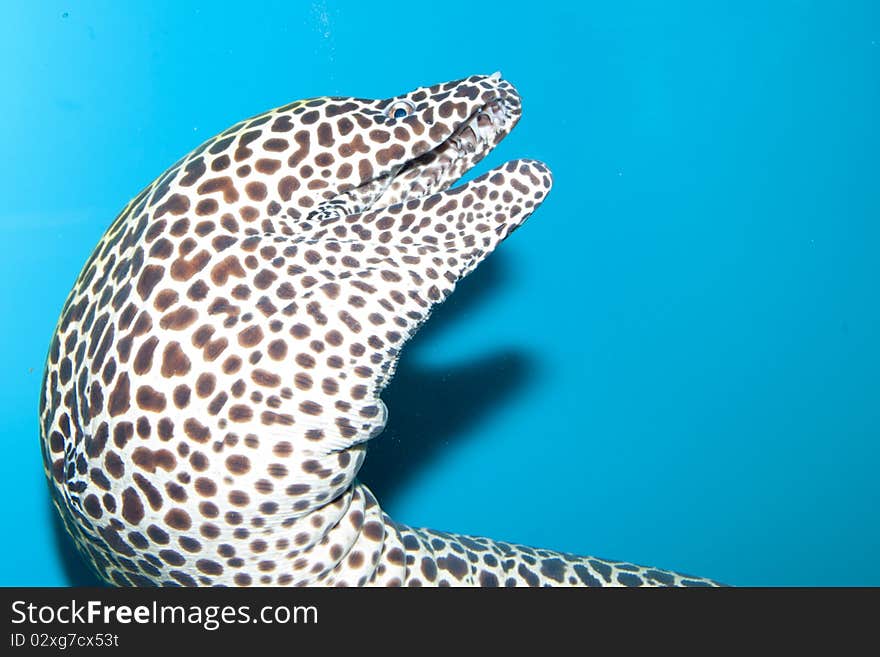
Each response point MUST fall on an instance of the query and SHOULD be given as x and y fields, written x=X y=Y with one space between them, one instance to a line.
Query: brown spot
x=93 y=506
x=303 y=381
x=183 y=269
x=217 y=403
x=143 y=324
x=181 y=396
x=176 y=204
x=196 y=430
x=222 y=184
x=176 y=492
x=149 y=460
x=374 y=531
x=365 y=170
x=120 y=399
x=194 y=171
x=240 y=413
x=229 y=266
x=277 y=350
x=256 y=191
x=264 y=279
x=132 y=507
x=276 y=145
x=154 y=497
x=331 y=290
x=239 y=498
x=238 y=464
x=143 y=427
x=223 y=242
x=269 y=418
x=174 y=558
x=266 y=307
x=209 y=567
x=198 y=461
x=263 y=378
x=122 y=433
x=202 y=335
x=178 y=229
x=150 y=276
x=174 y=361
x=311 y=408
x=300 y=331
x=282 y=124
x=113 y=464
x=205 y=384
x=165 y=299
x=157 y=535
x=302 y=138
x=178 y=519
x=150 y=399
x=190 y=544
x=396 y=557
x=353 y=325
x=325 y=134
x=182 y=318
x=209 y=530
x=143 y=359
x=205 y=487
x=267 y=166
x=393 y=152
x=231 y=365
x=457 y=566
x=251 y=336
x=166 y=429
x=206 y=206
x=287 y=186
x=282 y=449
x=214 y=348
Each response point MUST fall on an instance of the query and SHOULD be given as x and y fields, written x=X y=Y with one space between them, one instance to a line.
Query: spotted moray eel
x=215 y=374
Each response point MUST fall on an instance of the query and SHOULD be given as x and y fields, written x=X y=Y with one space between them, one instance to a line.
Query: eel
x=216 y=370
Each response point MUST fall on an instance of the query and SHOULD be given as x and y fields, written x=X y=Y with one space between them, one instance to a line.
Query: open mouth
x=439 y=168
x=436 y=170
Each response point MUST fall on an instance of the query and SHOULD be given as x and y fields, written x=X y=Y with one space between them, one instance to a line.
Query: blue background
x=674 y=362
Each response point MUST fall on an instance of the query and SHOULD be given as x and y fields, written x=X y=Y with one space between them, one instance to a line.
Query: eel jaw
x=439 y=168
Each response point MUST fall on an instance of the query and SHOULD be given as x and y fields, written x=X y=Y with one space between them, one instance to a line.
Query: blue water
x=674 y=362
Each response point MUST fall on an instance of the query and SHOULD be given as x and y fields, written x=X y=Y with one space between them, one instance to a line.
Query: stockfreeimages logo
x=210 y=617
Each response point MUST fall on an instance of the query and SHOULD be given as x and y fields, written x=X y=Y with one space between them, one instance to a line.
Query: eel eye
x=399 y=109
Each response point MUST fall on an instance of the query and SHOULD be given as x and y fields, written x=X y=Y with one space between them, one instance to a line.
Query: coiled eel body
x=215 y=374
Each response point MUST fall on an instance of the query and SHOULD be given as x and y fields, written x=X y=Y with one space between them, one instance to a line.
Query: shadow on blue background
x=435 y=406
x=674 y=362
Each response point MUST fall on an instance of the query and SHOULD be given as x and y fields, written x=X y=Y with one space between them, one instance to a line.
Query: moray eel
x=216 y=371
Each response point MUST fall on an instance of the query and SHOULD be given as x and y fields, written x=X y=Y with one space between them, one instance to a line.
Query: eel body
x=216 y=371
